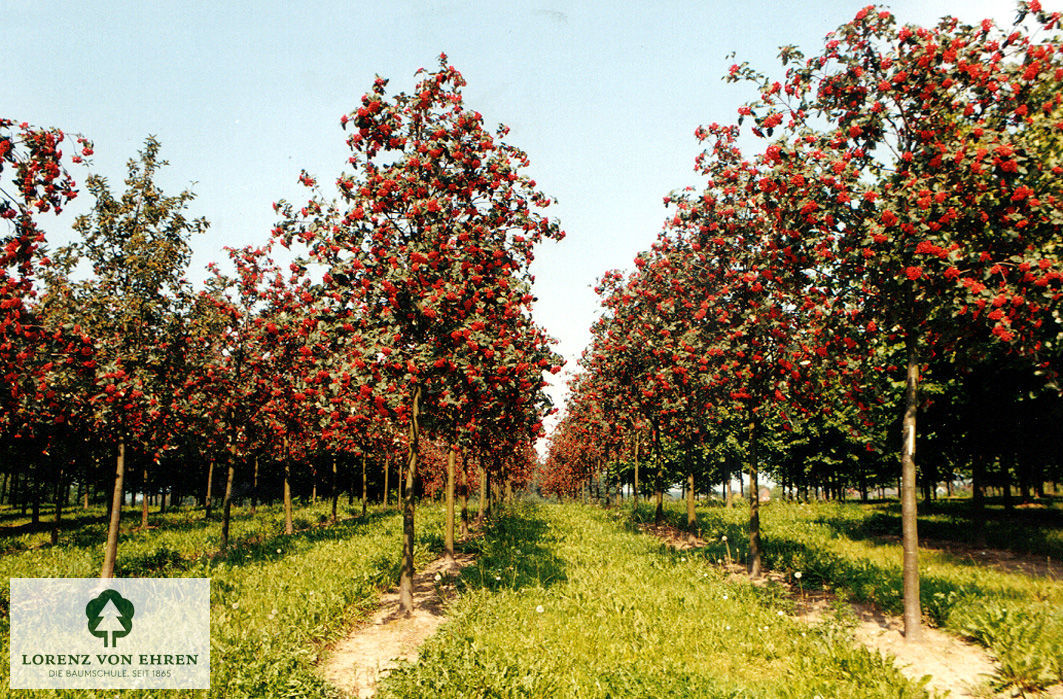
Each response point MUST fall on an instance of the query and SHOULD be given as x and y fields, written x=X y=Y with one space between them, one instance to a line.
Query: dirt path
x=954 y=665
x=358 y=662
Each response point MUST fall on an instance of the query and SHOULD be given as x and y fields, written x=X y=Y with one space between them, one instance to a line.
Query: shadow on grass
x=1028 y=531
x=863 y=580
x=248 y=550
x=513 y=553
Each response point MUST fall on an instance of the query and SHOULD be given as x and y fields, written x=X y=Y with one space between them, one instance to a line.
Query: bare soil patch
x=954 y=665
x=674 y=537
x=357 y=663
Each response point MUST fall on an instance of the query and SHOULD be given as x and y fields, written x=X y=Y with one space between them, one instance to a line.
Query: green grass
x=620 y=616
x=565 y=601
x=276 y=600
x=1019 y=618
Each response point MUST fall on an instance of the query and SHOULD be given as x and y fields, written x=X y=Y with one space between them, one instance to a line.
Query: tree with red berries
x=952 y=213
x=432 y=233
x=134 y=305
x=45 y=357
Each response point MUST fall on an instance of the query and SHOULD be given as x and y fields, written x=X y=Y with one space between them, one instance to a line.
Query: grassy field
x=566 y=601
x=276 y=600
x=572 y=600
x=1019 y=618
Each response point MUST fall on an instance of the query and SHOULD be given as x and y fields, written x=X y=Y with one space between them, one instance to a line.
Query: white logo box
x=145 y=633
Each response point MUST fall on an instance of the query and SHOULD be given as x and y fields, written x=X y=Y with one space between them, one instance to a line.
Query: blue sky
x=603 y=96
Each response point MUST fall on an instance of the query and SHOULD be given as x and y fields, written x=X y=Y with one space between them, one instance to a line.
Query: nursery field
x=574 y=600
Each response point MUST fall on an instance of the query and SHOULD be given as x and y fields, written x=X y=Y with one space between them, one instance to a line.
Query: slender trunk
x=482 y=505
x=488 y=495
x=335 y=490
x=635 y=486
x=35 y=516
x=448 y=529
x=110 y=551
x=387 y=472
x=754 y=564
x=289 y=525
x=728 y=488
x=210 y=485
x=913 y=630
x=254 y=488
x=658 y=515
x=406 y=576
x=19 y=489
x=60 y=496
x=464 y=500
x=227 y=502
x=365 y=504
x=144 y=496
x=692 y=518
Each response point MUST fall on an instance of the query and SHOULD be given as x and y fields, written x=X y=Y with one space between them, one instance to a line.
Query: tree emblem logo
x=110 y=617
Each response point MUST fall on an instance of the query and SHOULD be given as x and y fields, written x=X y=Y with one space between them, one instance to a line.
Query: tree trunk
x=35 y=515
x=658 y=515
x=144 y=496
x=335 y=490
x=913 y=629
x=289 y=525
x=406 y=576
x=365 y=494
x=464 y=499
x=754 y=564
x=387 y=473
x=210 y=485
x=60 y=496
x=482 y=505
x=635 y=485
x=254 y=488
x=692 y=518
x=110 y=551
x=728 y=488
x=448 y=529
x=227 y=502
